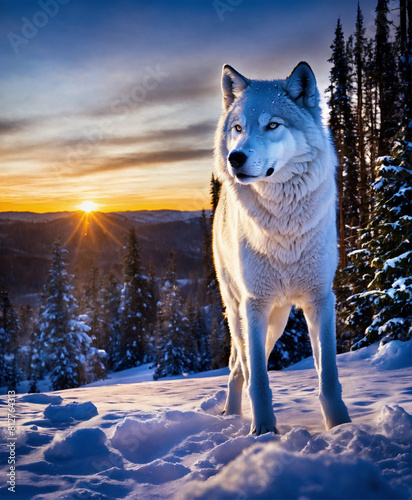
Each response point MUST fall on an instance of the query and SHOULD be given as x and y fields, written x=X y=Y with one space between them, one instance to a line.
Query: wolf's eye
x=273 y=125
x=238 y=128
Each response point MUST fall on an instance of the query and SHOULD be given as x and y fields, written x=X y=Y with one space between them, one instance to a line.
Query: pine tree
x=201 y=334
x=208 y=266
x=35 y=362
x=97 y=364
x=135 y=309
x=219 y=340
x=9 y=342
x=211 y=284
x=387 y=80
x=110 y=319
x=172 y=328
x=27 y=320
x=359 y=62
x=3 y=340
x=387 y=249
x=92 y=303
x=153 y=299
x=190 y=340
x=219 y=343
x=196 y=344
x=354 y=314
x=404 y=50
x=215 y=187
x=63 y=337
x=371 y=109
x=97 y=357
x=382 y=71
x=342 y=126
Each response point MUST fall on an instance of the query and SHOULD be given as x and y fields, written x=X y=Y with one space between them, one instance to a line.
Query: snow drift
x=130 y=438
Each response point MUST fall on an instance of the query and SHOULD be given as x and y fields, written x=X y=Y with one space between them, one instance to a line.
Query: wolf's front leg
x=320 y=317
x=255 y=319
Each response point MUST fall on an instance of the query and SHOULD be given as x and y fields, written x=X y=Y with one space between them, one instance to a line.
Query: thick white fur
x=274 y=234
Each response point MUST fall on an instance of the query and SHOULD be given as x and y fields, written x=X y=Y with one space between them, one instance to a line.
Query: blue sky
x=116 y=102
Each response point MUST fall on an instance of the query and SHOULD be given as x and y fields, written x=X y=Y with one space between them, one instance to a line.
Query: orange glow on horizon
x=107 y=205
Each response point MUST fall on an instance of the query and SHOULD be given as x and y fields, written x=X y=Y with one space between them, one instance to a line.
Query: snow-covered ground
x=130 y=437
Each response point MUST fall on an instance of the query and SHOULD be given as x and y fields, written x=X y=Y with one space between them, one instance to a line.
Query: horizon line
x=100 y=211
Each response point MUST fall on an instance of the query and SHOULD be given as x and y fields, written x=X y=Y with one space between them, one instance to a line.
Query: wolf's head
x=267 y=125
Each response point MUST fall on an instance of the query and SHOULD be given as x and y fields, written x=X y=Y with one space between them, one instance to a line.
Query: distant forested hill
x=26 y=240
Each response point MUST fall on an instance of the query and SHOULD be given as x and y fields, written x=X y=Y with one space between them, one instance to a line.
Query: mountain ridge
x=141 y=216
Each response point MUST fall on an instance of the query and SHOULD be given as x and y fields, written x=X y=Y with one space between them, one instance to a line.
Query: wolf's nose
x=237 y=159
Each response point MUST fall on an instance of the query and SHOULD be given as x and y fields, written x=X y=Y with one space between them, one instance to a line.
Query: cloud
x=199 y=130
x=12 y=126
x=138 y=160
x=80 y=147
x=175 y=86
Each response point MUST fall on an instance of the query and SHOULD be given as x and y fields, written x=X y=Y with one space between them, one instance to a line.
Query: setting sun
x=88 y=206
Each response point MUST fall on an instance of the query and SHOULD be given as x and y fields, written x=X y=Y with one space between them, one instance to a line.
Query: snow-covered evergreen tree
x=9 y=343
x=35 y=368
x=293 y=345
x=96 y=356
x=219 y=340
x=196 y=341
x=209 y=272
x=172 y=328
x=386 y=253
x=63 y=336
x=110 y=319
x=96 y=361
x=135 y=312
x=153 y=299
x=2 y=357
x=92 y=306
x=353 y=281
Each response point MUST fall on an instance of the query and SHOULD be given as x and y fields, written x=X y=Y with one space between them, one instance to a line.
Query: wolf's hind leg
x=320 y=317
x=235 y=385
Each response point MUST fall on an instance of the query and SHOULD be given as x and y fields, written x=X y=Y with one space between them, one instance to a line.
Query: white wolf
x=274 y=233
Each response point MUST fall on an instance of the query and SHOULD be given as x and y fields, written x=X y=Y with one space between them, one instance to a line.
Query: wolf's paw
x=342 y=419
x=232 y=411
x=336 y=415
x=257 y=430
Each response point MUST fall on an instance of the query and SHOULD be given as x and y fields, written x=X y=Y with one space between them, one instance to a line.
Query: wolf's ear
x=301 y=84
x=232 y=85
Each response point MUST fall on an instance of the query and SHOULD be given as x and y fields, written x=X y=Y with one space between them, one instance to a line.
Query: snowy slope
x=133 y=438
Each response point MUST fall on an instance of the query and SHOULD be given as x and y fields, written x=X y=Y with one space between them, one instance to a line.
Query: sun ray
x=106 y=229
x=77 y=228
